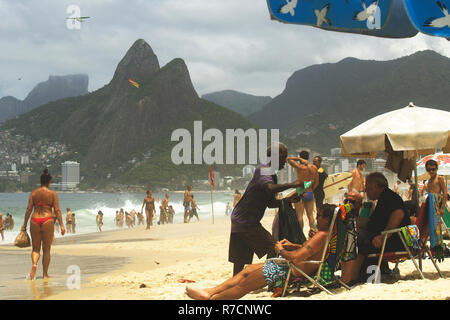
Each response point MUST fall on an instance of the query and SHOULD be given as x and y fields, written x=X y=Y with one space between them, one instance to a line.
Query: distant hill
x=126 y=131
x=321 y=102
x=239 y=102
x=56 y=87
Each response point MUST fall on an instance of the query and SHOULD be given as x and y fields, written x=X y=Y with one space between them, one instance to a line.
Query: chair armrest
x=278 y=260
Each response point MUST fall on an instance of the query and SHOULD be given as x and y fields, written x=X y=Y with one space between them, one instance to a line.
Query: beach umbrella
x=443 y=160
x=380 y=18
x=412 y=130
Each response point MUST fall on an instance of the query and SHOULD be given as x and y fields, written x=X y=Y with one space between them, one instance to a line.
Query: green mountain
x=239 y=102
x=122 y=134
x=321 y=102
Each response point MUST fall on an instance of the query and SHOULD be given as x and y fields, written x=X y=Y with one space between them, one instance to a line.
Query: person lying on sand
x=257 y=276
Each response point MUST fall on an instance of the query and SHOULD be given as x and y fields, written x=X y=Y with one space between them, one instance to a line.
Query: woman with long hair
x=42 y=200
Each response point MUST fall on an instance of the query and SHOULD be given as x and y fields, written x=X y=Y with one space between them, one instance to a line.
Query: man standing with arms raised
x=248 y=236
x=305 y=172
x=187 y=203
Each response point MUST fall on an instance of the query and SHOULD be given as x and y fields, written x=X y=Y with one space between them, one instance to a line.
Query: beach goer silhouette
x=149 y=203
x=42 y=200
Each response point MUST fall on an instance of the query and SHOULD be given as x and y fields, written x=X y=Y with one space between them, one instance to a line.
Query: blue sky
x=229 y=44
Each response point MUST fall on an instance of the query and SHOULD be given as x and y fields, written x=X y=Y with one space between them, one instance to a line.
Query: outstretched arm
x=275 y=188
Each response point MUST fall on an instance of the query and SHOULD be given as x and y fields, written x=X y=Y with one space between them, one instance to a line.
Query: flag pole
x=211 y=185
x=212 y=204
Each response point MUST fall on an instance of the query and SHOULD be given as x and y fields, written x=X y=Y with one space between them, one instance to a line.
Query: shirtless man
x=171 y=213
x=99 y=220
x=194 y=209
x=186 y=203
x=257 y=276
x=305 y=172
x=358 y=181
x=436 y=184
x=74 y=223
x=2 y=226
x=11 y=224
x=149 y=203
x=69 y=220
x=163 y=216
x=133 y=218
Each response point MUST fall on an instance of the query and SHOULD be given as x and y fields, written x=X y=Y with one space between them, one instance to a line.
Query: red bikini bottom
x=40 y=221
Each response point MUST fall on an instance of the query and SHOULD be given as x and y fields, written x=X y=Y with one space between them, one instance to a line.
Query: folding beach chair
x=398 y=256
x=330 y=255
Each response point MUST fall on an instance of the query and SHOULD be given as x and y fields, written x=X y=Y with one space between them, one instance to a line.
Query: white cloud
x=229 y=44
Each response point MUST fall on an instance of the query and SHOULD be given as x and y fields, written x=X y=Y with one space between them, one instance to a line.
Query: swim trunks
x=275 y=274
x=308 y=196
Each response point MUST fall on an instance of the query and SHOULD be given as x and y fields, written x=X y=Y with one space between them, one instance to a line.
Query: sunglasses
x=431 y=169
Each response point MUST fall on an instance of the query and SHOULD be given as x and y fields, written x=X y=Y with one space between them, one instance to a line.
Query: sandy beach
x=116 y=264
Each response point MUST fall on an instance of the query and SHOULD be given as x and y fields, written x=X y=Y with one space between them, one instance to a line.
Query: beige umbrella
x=413 y=130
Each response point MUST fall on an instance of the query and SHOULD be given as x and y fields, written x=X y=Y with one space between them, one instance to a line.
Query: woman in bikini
x=42 y=200
x=149 y=203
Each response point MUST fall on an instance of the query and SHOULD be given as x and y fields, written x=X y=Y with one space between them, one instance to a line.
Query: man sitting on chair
x=390 y=213
x=257 y=276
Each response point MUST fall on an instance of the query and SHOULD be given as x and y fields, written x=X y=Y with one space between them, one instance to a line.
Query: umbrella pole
x=416 y=181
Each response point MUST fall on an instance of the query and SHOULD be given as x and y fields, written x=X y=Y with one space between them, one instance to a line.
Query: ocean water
x=86 y=205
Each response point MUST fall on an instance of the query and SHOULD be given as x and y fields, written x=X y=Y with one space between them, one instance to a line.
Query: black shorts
x=254 y=240
x=319 y=196
x=364 y=243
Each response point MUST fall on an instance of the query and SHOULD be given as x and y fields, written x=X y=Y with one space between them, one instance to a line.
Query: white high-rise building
x=70 y=174
x=24 y=160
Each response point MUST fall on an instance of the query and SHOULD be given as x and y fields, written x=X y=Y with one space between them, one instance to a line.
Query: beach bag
x=22 y=240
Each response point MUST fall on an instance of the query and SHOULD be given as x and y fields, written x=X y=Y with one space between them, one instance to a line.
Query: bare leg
x=299 y=207
x=35 y=232
x=47 y=239
x=249 y=279
x=149 y=217
x=309 y=206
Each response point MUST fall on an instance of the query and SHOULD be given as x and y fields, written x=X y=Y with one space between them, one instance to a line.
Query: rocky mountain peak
x=139 y=63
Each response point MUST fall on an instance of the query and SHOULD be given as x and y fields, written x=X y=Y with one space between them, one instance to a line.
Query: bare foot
x=197 y=293
x=46 y=276
x=33 y=272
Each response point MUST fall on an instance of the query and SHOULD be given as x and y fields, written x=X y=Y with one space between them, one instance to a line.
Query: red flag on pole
x=211 y=177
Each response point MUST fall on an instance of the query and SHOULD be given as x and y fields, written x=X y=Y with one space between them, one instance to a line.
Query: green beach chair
x=331 y=255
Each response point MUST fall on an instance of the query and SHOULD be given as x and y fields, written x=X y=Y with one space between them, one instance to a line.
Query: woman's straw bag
x=22 y=240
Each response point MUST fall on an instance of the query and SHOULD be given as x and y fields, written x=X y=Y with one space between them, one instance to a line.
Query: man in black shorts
x=390 y=213
x=247 y=234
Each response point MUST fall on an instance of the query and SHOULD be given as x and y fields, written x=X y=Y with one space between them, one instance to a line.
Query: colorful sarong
x=411 y=235
x=434 y=222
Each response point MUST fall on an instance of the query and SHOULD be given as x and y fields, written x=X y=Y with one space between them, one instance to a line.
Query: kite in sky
x=79 y=19
x=134 y=83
